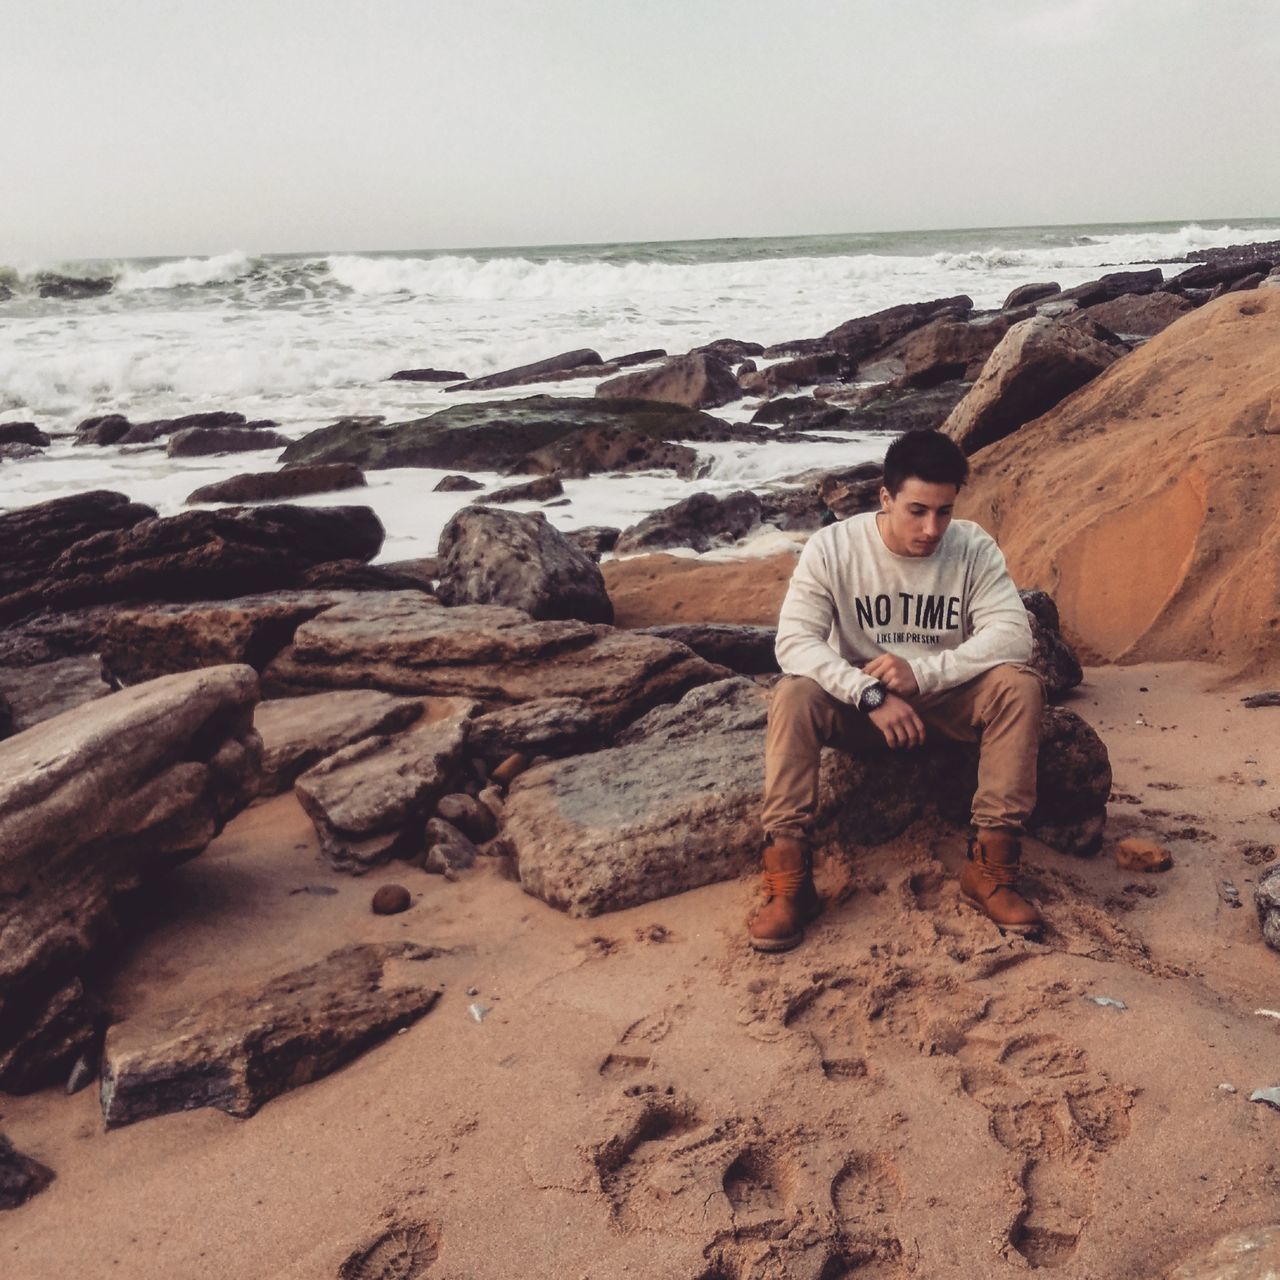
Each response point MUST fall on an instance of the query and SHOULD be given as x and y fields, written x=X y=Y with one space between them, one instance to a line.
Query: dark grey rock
x=538 y=371
x=274 y=486
x=543 y=726
x=702 y=521
x=746 y=650
x=23 y=433
x=201 y=442
x=20 y=1176
x=47 y=689
x=456 y=484
x=538 y=490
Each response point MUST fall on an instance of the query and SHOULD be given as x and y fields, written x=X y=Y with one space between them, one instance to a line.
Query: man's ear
x=885 y=498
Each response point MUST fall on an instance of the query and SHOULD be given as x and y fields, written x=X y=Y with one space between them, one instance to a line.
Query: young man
x=898 y=625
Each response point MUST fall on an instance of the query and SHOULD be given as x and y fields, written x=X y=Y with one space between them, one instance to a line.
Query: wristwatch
x=872 y=698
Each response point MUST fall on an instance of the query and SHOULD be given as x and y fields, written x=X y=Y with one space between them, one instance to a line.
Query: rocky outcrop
x=1208 y=274
x=370 y=801
x=34 y=537
x=115 y=428
x=702 y=521
x=1025 y=294
x=595 y=539
x=603 y=449
x=23 y=433
x=688 y=813
x=298 y=733
x=1114 y=285
x=47 y=689
x=1140 y=315
x=1038 y=363
x=49 y=284
x=20 y=1176
x=198 y=555
x=243 y=1048
x=800 y=371
x=355 y=575
x=273 y=486
x=404 y=642
x=93 y=804
x=545 y=726
x=889 y=408
x=547 y=370
x=695 y=381
x=944 y=350
x=427 y=375
x=519 y=560
x=859 y=338
x=746 y=650
x=539 y=490
x=499 y=435
x=1266 y=897
x=203 y=442
x=802 y=501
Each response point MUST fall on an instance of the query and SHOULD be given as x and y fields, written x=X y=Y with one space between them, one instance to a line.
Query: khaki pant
x=1000 y=710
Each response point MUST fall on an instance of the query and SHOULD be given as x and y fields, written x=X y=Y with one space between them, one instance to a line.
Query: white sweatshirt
x=952 y=615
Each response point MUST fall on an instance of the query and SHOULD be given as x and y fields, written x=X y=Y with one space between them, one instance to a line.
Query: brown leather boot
x=792 y=900
x=989 y=877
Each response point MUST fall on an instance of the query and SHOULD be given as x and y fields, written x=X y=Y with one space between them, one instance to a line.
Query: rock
x=23 y=433
x=519 y=560
x=1266 y=897
x=1135 y=854
x=1251 y=1254
x=20 y=1176
x=342 y=576
x=1038 y=363
x=499 y=435
x=1112 y=286
x=210 y=554
x=272 y=486
x=102 y=429
x=370 y=801
x=1054 y=660
x=1026 y=293
x=595 y=539
x=47 y=689
x=543 y=726
x=476 y=821
x=491 y=798
x=638 y=357
x=1242 y=285
x=539 y=371
x=800 y=371
x=746 y=650
x=49 y=284
x=728 y=350
x=405 y=642
x=944 y=350
x=456 y=484
x=448 y=850
x=1139 y=315
x=530 y=491
x=702 y=521
x=18 y=452
x=202 y=442
x=427 y=375
x=800 y=502
x=898 y=410
x=610 y=448
x=420 y=572
x=243 y=1048
x=803 y=413
x=34 y=537
x=1041 y=606
x=149 y=432
x=1208 y=274
x=390 y=900
x=510 y=769
x=93 y=804
x=676 y=803
x=298 y=733
x=858 y=338
x=6 y=717
x=695 y=381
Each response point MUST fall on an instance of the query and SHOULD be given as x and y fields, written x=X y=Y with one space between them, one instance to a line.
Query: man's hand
x=894 y=673
x=898 y=721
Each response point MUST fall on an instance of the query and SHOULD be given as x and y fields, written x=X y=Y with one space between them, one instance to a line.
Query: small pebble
x=509 y=769
x=477 y=1012
x=473 y=991
x=390 y=900
x=1228 y=1088
x=1136 y=854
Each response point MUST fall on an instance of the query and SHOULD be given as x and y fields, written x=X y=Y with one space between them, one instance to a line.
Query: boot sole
x=775 y=944
x=1021 y=930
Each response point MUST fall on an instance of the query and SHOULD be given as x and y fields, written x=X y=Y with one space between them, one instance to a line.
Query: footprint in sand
x=866 y=1195
x=827 y=1012
x=760 y=1188
x=1048 y=1108
x=401 y=1252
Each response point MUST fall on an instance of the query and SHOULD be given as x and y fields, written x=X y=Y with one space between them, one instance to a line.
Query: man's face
x=914 y=519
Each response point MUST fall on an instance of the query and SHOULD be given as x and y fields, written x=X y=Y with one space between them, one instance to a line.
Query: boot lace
x=783 y=884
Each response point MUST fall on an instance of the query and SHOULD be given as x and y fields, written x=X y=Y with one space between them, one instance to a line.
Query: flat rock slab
x=405 y=642
x=1252 y=1254
x=47 y=689
x=300 y=732
x=246 y=1047
x=676 y=803
x=371 y=801
x=20 y=1176
x=93 y=803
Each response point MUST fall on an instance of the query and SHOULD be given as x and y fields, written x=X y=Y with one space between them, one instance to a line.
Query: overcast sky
x=136 y=127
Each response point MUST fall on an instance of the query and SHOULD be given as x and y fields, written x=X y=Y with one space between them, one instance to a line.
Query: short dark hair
x=927 y=455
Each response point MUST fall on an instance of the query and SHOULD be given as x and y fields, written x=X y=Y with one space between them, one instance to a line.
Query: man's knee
x=1013 y=685
x=797 y=695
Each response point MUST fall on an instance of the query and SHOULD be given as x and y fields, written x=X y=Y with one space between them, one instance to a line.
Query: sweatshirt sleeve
x=803 y=645
x=1000 y=631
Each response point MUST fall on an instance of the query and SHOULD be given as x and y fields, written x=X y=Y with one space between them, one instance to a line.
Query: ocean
x=306 y=338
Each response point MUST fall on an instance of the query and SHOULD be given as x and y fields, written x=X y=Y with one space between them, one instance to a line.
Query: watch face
x=872 y=698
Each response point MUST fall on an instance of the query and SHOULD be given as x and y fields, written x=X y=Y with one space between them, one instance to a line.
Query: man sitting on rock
x=897 y=624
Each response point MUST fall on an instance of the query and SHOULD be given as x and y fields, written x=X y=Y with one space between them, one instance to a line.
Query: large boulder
x=210 y=554
x=676 y=803
x=696 y=381
x=701 y=521
x=500 y=435
x=609 y=448
x=547 y=370
x=1140 y=315
x=371 y=801
x=47 y=689
x=1207 y=274
x=404 y=642
x=298 y=733
x=34 y=537
x=945 y=349
x=23 y=433
x=93 y=804
x=203 y=442
x=149 y=432
x=1038 y=363
x=274 y=486
x=799 y=371
x=245 y=1047
x=545 y=726
x=520 y=560
x=860 y=337
x=1113 y=285
x=1028 y=293
x=1173 y=555
x=896 y=410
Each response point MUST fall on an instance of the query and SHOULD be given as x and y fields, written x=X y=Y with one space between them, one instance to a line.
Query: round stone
x=391 y=899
